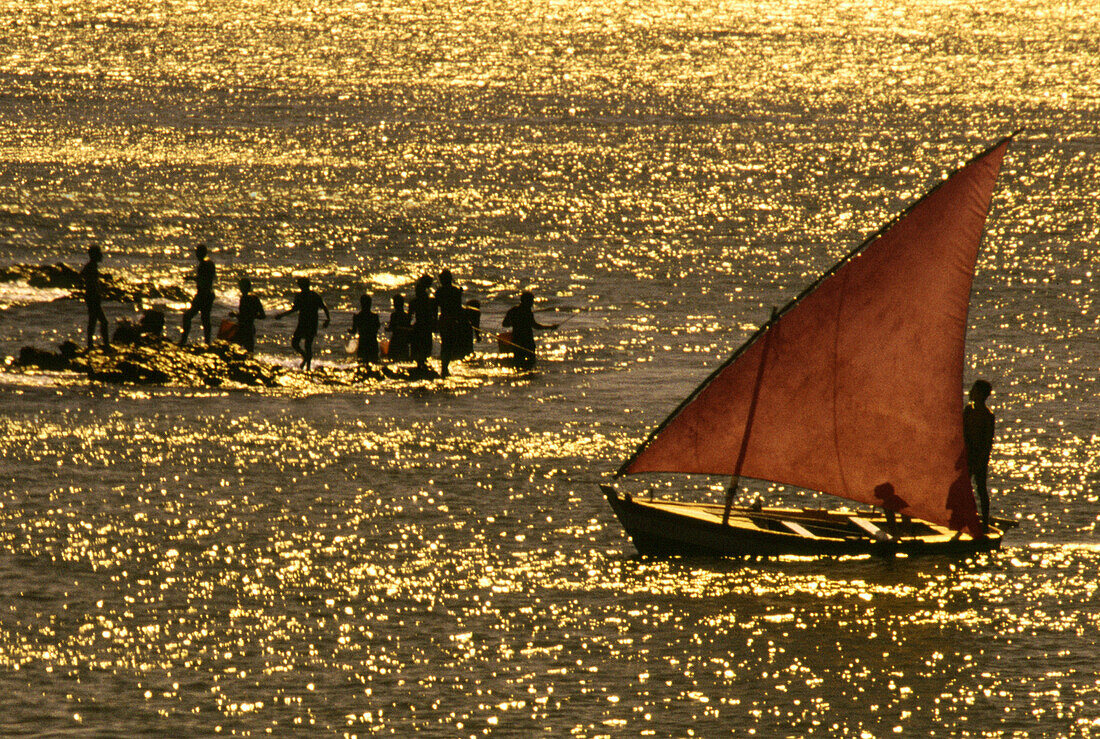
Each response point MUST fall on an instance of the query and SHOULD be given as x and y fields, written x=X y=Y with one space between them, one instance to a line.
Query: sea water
x=436 y=556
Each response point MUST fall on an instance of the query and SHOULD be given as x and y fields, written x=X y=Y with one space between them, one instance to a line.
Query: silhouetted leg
x=980 y=479
x=523 y=358
x=450 y=345
x=96 y=316
x=426 y=351
x=307 y=355
x=205 y=316
x=92 y=319
x=188 y=316
x=296 y=343
x=245 y=337
x=421 y=350
x=103 y=328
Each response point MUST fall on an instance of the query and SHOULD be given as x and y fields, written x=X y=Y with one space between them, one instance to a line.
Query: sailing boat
x=853 y=389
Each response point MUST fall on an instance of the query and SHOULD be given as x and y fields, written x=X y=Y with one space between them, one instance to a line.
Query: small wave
x=22 y=293
x=388 y=280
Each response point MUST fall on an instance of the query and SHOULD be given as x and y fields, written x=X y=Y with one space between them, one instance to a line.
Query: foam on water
x=20 y=293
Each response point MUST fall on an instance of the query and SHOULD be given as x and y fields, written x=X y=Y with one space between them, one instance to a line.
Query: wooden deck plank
x=875 y=532
x=798 y=529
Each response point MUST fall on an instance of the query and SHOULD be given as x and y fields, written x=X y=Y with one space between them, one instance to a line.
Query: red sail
x=861 y=392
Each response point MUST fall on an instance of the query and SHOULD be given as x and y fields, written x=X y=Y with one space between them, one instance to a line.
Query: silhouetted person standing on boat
x=521 y=319
x=93 y=295
x=203 y=302
x=423 y=310
x=365 y=325
x=307 y=303
x=399 y=328
x=249 y=310
x=452 y=321
x=978 y=425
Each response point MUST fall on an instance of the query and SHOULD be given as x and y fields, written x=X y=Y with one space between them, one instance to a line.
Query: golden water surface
x=436 y=557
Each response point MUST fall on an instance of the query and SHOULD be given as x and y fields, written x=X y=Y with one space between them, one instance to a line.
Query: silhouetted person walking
x=978 y=426
x=93 y=295
x=306 y=304
x=249 y=310
x=365 y=325
x=521 y=319
x=399 y=328
x=452 y=321
x=423 y=310
x=203 y=302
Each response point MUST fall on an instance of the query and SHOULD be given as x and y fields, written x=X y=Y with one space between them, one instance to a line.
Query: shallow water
x=436 y=556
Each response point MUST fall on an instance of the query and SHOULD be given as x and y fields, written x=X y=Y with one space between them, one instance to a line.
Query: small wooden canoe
x=668 y=527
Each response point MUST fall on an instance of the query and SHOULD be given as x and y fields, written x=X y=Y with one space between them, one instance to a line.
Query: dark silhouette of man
x=365 y=325
x=306 y=304
x=452 y=321
x=93 y=295
x=978 y=426
x=399 y=328
x=521 y=319
x=249 y=310
x=203 y=302
x=424 y=312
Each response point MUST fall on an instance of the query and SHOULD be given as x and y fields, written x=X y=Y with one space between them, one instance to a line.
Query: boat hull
x=664 y=527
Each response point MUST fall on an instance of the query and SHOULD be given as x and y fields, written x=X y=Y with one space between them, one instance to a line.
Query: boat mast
x=743 y=452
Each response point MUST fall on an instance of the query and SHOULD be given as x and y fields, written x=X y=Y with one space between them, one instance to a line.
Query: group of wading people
x=411 y=328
